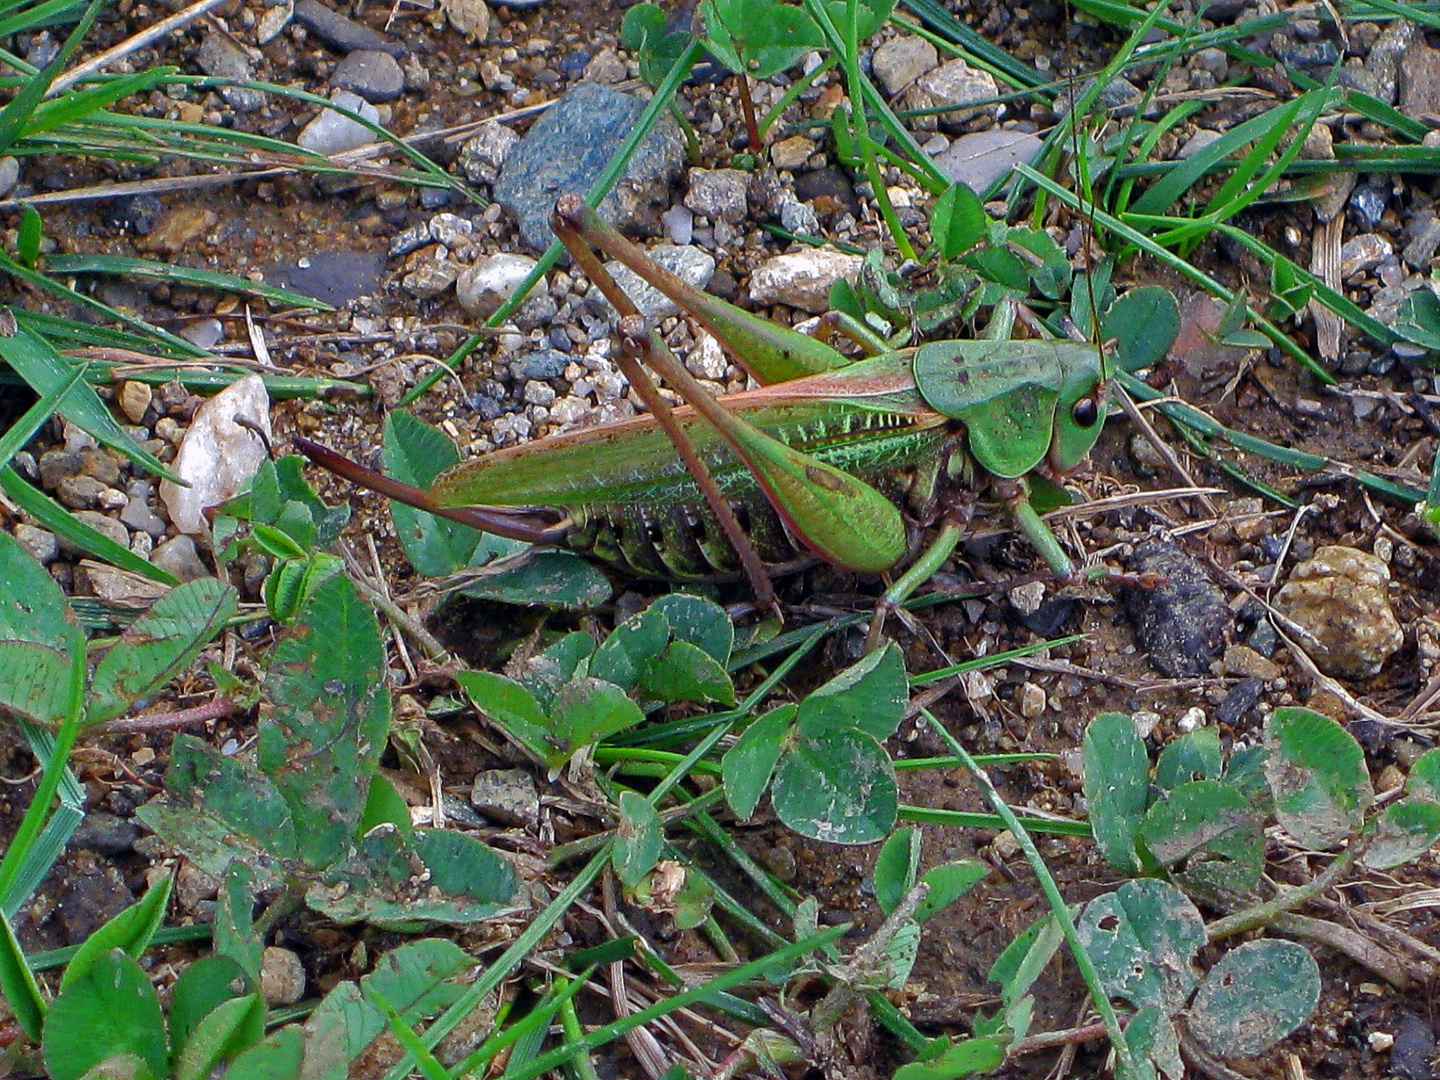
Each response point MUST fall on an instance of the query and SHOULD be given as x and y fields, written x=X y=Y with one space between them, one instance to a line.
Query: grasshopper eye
x=1085 y=412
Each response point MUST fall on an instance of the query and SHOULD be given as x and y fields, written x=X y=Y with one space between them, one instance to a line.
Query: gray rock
x=79 y=492
x=333 y=133
x=204 y=333
x=798 y=218
x=342 y=34
x=484 y=153
x=138 y=515
x=1338 y=599
x=107 y=833
x=272 y=24
x=1197 y=142
x=979 y=159
x=57 y=464
x=41 y=543
x=691 y=265
x=220 y=56
x=541 y=364
x=902 y=60
x=470 y=17
x=568 y=148
x=336 y=277
x=507 y=796
x=719 y=194
x=9 y=175
x=1420 y=82
x=371 y=73
x=452 y=230
x=412 y=239
x=1420 y=249
x=107 y=527
x=180 y=556
x=952 y=84
x=802 y=279
x=1364 y=252
x=431 y=278
x=1382 y=66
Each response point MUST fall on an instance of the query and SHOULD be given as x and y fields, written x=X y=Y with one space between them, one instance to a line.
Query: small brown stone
x=135 y=399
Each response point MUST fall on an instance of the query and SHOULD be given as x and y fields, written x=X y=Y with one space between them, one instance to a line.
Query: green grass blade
x=16 y=115
x=57 y=519
x=17 y=982
x=183 y=275
x=39 y=364
x=21 y=431
x=942 y=22
x=77 y=104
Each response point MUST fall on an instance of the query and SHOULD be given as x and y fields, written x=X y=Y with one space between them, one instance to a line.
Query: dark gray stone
x=1413 y=1054
x=979 y=159
x=336 y=277
x=106 y=833
x=342 y=34
x=223 y=58
x=568 y=148
x=541 y=364
x=371 y=73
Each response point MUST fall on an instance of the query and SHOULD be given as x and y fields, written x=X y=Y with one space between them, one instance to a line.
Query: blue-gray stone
x=569 y=147
x=540 y=364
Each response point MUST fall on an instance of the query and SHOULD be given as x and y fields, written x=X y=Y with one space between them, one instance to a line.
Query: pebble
x=342 y=34
x=567 y=149
x=507 y=796
x=331 y=133
x=55 y=465
x=470 y=17
x=952 y=84
x=1369 y=202
x=679 y=225
x=792 y=153
x=980 y=158
x=1423 y=232
x=106 y=526
x=707 y=360
x=1198 y=142
x=482 y=288
x=1240 y=703
x=80 y=492
x=135 y=398
x=221 y=56
x=1338 y=598
x=798 y=218
x=107 y=833
x=902 y=60
x=802 y=279
x=1181 y=623
x=1032 y=700
x=1245 y=662
x=178 y=230
x=719 y=194
x=1419 y=91
x=606 y=67
x=9 y=175
x=484 y=153
x=690 y=264
x=180 y=557
x=272 y=24
x=282 y=976
x=40 y=543
x=1363 y=253
x=137 y=514
x=431 y=278
x=204 y=333
x=219 y=453
x=371 y=73
x=1413 y=1052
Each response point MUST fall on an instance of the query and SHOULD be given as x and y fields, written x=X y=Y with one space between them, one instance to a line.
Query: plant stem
x=752 y=128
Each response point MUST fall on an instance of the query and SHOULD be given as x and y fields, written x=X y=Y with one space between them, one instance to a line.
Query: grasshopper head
x=1080 y=412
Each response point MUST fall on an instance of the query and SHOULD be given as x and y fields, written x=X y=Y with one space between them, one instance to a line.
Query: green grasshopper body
x=821 y=459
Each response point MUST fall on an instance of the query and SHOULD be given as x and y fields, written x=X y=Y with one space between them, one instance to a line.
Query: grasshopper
x=828 y=457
